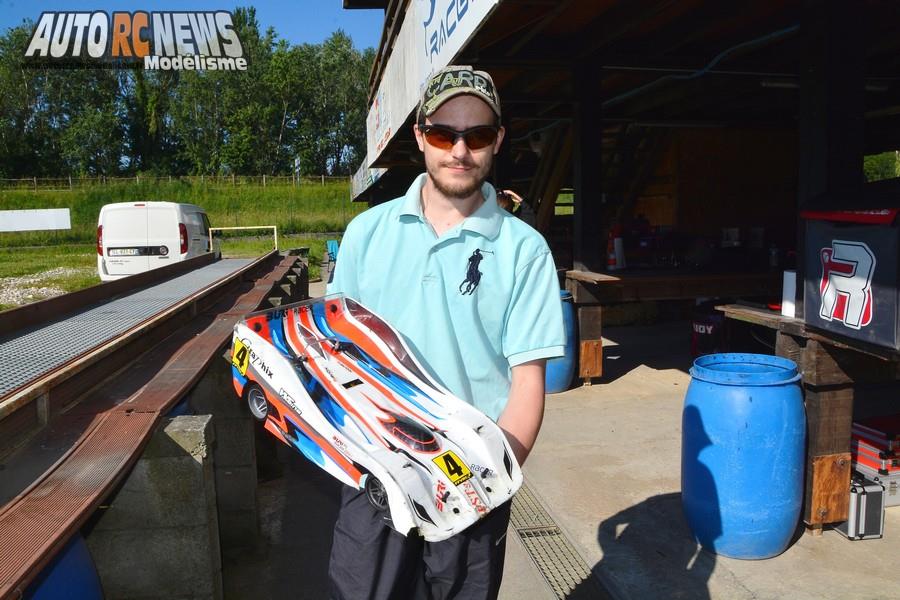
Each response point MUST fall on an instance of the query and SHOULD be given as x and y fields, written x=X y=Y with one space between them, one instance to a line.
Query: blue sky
x=299 y=21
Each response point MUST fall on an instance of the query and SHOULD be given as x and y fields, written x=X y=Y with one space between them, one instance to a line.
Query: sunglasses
x=444 y=138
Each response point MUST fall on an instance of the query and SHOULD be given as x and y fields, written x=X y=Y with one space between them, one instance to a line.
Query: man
x=474 y=291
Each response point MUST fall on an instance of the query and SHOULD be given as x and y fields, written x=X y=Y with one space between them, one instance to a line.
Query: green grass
x=244 y=247
x=16 y=262
x=80 y=261
x=307 y=208
x=310 y=208
x=564 y=204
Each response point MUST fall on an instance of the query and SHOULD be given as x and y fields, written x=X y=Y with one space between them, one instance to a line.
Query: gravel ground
x=29 y=288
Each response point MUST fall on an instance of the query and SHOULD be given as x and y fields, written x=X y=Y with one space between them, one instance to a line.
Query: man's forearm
x=524 y=412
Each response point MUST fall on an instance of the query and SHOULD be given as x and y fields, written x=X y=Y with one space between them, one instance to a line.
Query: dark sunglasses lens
x=440 y=138
x=480 y=138
x=476 y=138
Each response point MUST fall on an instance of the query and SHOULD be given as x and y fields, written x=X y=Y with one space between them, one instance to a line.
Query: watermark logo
x=167 y=41
x=846 y=283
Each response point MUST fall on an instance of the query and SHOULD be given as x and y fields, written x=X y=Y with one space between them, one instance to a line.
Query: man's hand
x=521 y=419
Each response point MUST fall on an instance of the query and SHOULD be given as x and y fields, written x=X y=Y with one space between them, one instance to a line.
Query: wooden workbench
x=591 y=291
x=831 y=367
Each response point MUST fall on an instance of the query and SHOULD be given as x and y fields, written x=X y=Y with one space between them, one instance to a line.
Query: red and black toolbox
x=873 y=444
x=852 y=274
x=881 y=432
x=886 y=463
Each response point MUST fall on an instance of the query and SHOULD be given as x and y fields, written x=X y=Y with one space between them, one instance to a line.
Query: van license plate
x=123 y=251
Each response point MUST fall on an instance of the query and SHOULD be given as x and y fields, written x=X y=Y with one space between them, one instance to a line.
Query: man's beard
x=460 y=190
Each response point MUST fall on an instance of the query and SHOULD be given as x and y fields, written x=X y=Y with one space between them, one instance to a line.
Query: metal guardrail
x=31 y=405
x=113 y=433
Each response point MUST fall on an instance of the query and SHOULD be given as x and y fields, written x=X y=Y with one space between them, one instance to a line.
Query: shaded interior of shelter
x=692 y=116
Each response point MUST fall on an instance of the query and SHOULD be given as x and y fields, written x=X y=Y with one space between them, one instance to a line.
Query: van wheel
x=376 y=493
x=256 y=401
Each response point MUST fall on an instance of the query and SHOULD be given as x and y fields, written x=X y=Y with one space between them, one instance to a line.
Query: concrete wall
x=234 y=455
x=159 y=535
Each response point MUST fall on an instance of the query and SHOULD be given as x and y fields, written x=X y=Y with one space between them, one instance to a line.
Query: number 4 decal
x=455 y=469
x=240 y=357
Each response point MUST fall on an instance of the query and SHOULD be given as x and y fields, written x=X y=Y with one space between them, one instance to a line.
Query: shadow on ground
x=634 y=346
x=297 y=511
x=667 y=345
x=649 y=552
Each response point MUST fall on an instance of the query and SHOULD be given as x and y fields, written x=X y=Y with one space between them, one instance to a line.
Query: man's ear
x=500 y=133
x=419 y=139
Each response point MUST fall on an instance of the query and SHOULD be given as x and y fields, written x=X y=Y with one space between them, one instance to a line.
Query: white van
x=133 y=237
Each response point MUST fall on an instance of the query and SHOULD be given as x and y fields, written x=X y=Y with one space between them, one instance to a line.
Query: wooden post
x=590 y=363
x=70 y=182
x=830 y=376
x=35 y=183
x=264 y=180
x=588 y=134
x=323 y=180
x=832 y=103
x=232 y=180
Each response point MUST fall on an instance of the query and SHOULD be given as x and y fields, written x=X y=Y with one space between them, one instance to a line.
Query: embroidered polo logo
x=473 y=275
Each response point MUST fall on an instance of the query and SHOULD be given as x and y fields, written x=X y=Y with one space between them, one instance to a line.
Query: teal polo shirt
x=472 y=303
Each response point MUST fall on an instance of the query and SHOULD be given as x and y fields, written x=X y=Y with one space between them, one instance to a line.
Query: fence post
x=170 y=179
x=137 y=178
x=35 y=183
x=323 y=180
x=232 y=179
x=70 y=182
x=264 y=180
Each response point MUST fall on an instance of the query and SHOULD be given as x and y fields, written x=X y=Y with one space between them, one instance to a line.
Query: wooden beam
x=538 y=27
x=832 y=102
x=615 y=23
x=827 y=489
x=588 y=151
x=560 y=159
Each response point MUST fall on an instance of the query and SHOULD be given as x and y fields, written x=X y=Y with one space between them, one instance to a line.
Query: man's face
x=459 y=171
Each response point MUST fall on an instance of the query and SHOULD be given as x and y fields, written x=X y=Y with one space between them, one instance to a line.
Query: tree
x=294 y=101
x=882 y=166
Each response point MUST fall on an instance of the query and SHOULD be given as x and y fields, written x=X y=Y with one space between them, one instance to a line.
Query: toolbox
x=866 y=510
x=880 y=432
x=886 y=463
x=891 y=483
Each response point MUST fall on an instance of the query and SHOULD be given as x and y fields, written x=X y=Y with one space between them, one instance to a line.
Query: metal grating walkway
x=554 y=555
x=35 y=351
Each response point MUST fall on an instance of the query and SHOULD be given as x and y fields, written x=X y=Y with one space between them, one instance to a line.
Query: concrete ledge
x=159 y=535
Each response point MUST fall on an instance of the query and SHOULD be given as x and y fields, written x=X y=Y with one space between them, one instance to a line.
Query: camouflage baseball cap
x=452 y=81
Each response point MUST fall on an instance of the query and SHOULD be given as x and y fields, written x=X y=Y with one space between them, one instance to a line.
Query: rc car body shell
x=341 y=386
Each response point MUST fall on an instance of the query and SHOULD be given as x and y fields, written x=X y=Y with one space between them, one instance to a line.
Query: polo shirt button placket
x=428 y=277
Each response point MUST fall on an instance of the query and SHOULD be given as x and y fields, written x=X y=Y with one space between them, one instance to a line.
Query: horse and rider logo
x=846 y=284
x=473 y=275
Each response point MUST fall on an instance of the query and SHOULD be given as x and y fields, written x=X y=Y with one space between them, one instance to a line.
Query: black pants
x=371 y=561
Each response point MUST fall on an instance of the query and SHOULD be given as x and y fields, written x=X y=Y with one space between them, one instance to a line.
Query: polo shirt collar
x=484 y=221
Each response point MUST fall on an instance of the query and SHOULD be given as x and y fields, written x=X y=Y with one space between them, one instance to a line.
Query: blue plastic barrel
x=742 y=453
x=71 y=574
x=560 y=370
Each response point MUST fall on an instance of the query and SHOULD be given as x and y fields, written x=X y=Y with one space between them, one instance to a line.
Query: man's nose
x=459 y=149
